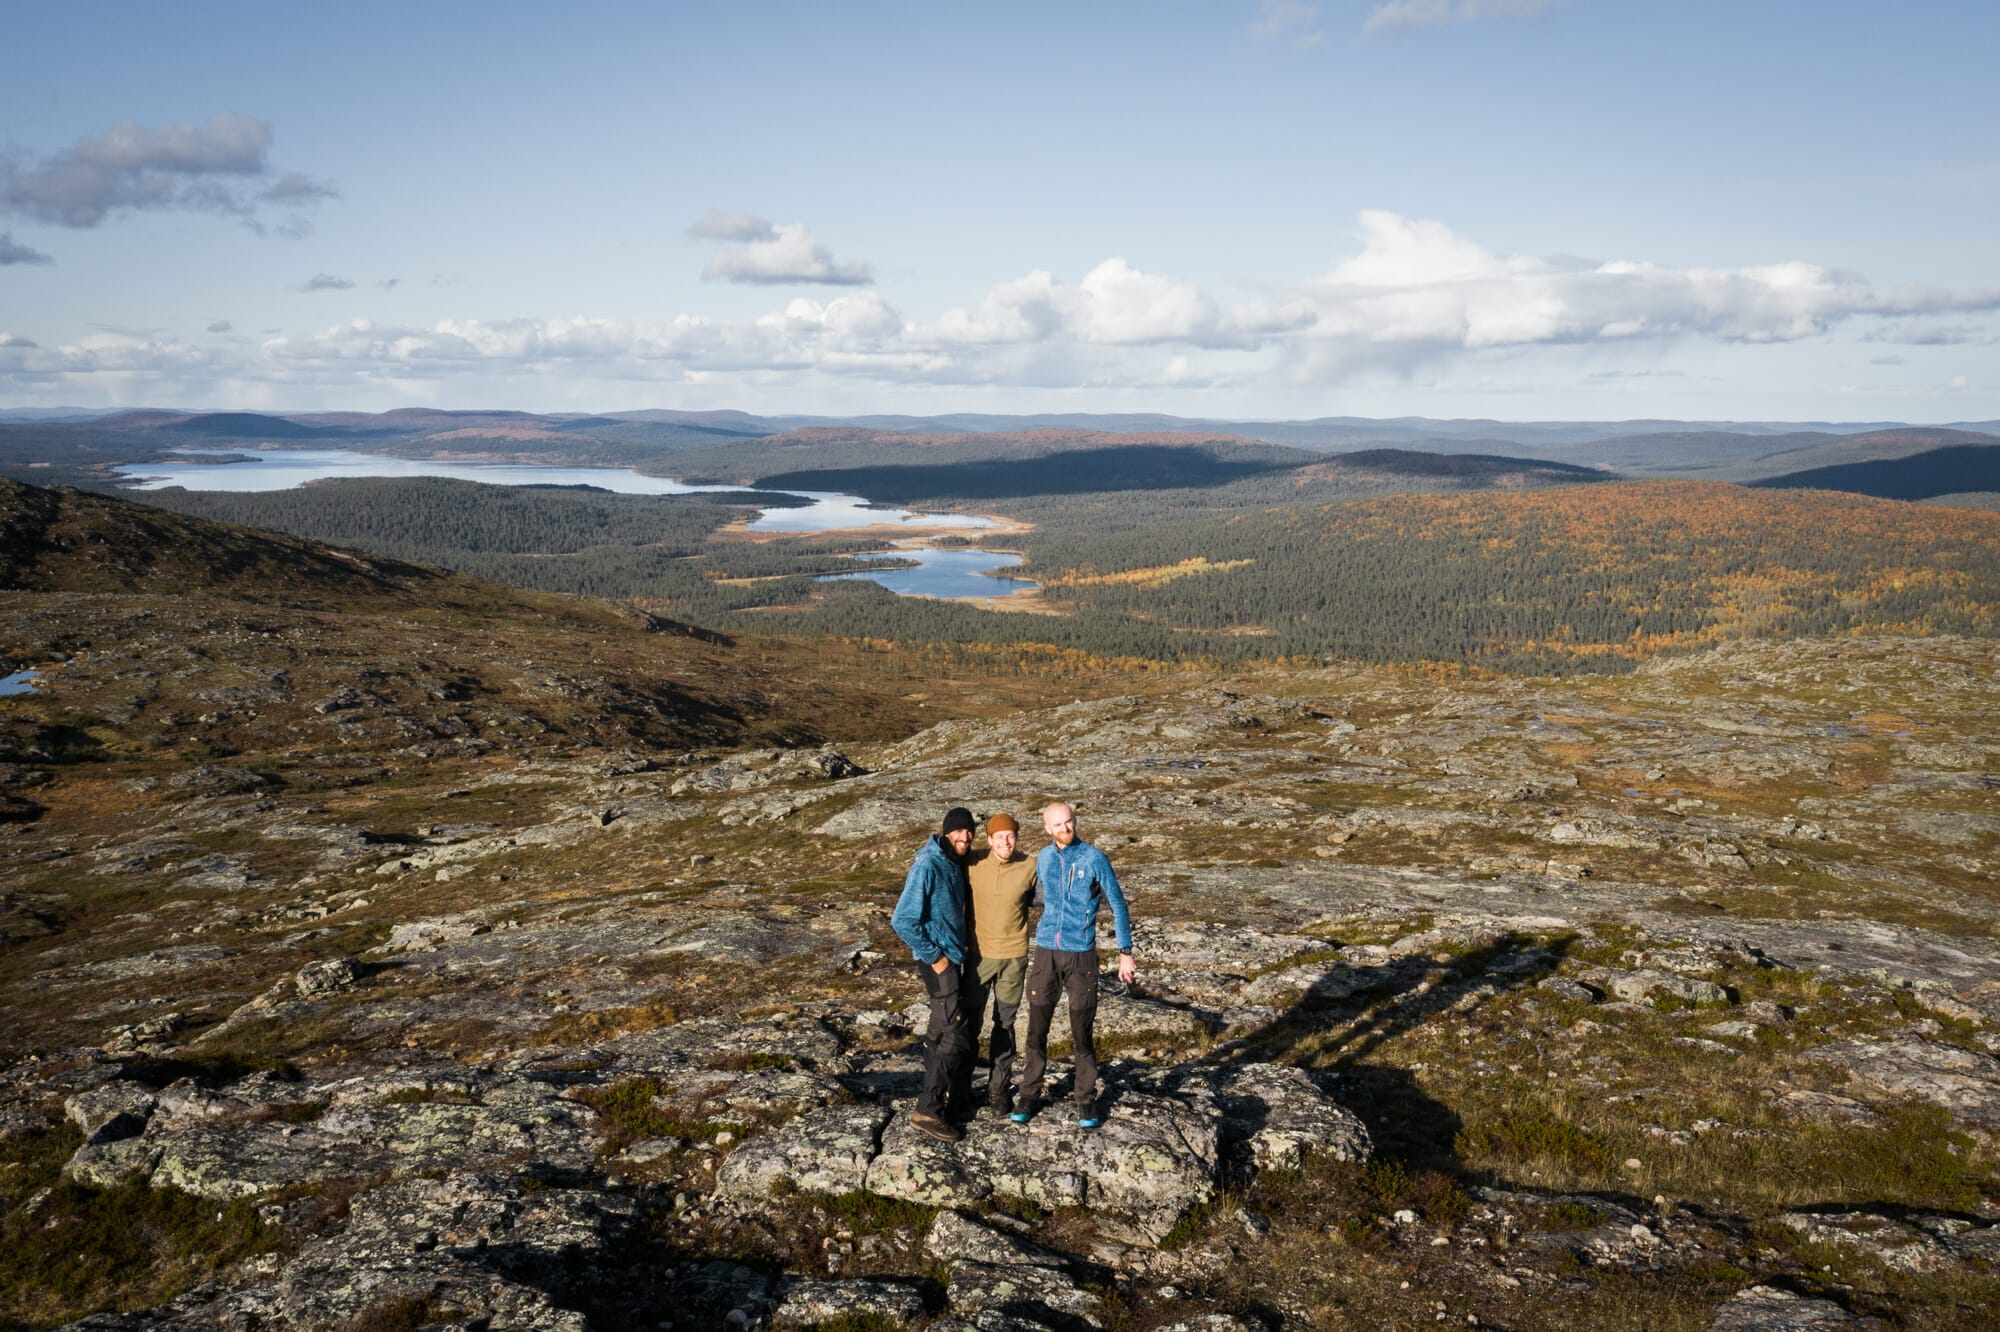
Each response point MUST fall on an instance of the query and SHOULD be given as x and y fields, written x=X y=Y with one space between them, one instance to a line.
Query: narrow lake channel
x=952 y=573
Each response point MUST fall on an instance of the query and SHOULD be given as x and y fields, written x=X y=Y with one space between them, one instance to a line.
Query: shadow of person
x=1339 y=1021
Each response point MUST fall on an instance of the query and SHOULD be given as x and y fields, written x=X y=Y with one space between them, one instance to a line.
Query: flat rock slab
x=1768 y=1309
x=1034 y=1296
x=1160 y=1150
x=478 y=1244
x=808 y=1303
x=1964 y=1082
x=1154 y=1157
x=213 y=1148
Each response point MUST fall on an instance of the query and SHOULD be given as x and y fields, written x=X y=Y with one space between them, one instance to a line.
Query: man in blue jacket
x=1076 y=880
x=931 y=918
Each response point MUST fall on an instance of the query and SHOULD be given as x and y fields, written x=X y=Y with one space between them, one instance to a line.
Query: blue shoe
x=1089 y=1120
x=1020 y=1116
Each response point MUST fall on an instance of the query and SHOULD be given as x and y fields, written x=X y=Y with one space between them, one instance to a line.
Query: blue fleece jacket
x=1075 y=880
x=930 y=915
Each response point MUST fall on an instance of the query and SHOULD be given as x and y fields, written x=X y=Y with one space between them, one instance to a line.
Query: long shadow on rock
x=1337 y=1025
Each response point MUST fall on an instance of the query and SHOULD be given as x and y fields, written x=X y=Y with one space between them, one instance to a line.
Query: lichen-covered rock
x=476 y=1244
x=1153 y=1157
x=1889 y=1243
x=1768 y=1309
x=803 y=1302
x=1276 y=1116
x=111 y=1112
x=825 y=1151
x=1964 y=1082
x=1644 y=986
x=997 y=1276
x=417 y=935
x=955 y=1237
x=259 y=1140
x=322 y=978
x=1038 y=1297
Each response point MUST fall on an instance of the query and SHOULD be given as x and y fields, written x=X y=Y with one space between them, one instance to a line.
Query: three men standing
x=962 y=961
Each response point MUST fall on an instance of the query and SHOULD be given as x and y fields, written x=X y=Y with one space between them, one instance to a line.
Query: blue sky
x=1511 y=208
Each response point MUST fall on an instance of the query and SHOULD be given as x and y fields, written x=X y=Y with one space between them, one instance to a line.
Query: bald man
x=1076 y=882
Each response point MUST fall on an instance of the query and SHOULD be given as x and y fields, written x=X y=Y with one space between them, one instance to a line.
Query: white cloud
x=326 y=282
x=1289 y=21
x=221 y=167
x=772 y=254
x=716 y=224
x=220 y=326
x=1417 y=15
x=1416 y=289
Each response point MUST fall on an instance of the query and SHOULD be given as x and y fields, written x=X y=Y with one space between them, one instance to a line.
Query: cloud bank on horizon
x=1414 y=293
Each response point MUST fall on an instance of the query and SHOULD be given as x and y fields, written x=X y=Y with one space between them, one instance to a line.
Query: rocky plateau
x=1667 y=1000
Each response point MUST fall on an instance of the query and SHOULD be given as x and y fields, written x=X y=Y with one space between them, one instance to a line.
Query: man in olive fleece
x=1003 y=888
x=930 y=917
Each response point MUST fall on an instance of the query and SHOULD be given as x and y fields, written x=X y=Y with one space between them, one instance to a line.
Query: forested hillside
x=1954 y=469
x=1580 y=577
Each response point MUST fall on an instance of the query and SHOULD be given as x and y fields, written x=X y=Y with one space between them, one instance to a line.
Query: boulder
x=1153 y=1157
x=326 y=977
x=1768 y=1309
x=1275 y=1117
x=997 y=1274
x=824 y=1151
x=1641 y=987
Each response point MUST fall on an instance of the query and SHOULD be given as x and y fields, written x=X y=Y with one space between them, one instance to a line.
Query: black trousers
x=1053 y=973
x=948 y=1043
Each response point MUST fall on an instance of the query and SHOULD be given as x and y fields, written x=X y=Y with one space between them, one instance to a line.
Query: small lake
x=20 y=682
x=283 y=469
x=959 y=573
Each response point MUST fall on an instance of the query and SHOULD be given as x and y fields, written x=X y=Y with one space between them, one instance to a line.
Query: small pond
x=20 y=682
x=959 y=573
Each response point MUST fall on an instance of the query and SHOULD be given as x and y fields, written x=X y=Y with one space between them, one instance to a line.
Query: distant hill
x=57 y=539
x=1951 y=470
x=174 y=613
x=1465 y=466
x=242 y=425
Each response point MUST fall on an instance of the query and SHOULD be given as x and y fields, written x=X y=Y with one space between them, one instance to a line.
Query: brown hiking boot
x=930 y=1125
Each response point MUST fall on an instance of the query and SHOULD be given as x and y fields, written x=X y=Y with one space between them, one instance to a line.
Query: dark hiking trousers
x=948 y=1048
x=1053 y=973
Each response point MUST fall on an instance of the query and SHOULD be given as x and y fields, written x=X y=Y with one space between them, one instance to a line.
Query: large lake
x=953 y=573
x=282 y=469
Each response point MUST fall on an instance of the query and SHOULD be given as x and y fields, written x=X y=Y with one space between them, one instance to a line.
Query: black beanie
x=958 y=816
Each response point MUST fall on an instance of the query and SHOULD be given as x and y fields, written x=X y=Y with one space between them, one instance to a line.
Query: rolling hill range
x=738 y=445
